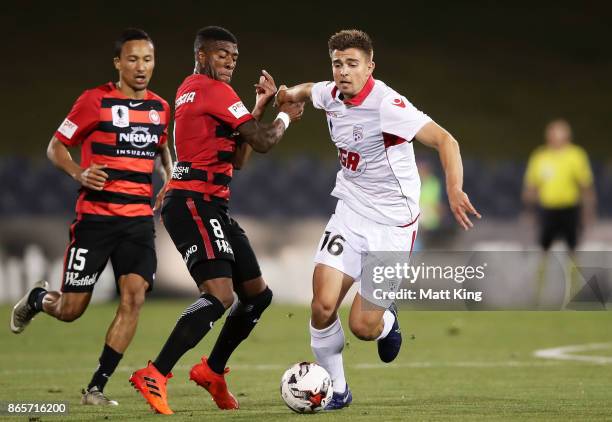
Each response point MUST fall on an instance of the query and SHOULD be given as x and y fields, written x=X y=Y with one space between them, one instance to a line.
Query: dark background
x=491 y=72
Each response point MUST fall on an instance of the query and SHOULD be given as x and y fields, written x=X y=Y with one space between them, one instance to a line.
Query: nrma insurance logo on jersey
x=139 y=137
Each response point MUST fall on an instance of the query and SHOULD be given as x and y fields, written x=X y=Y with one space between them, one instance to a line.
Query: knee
x=226 y=298
x=323 y=313
x=133 y=289
x=362 y=329
x=259 y=301
x=132 y=301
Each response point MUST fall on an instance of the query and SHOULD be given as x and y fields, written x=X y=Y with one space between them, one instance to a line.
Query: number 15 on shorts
x=334 y=243
x=76 y=262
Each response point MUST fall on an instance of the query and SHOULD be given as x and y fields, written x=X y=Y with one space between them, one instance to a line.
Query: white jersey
x=373 y=132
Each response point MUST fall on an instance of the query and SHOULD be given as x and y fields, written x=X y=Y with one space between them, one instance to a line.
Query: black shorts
x=212 y=244
x=129 y=243
x=559 y=223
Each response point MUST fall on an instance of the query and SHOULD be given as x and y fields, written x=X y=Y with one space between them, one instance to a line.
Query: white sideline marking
x=565 y=353
x=278 y=367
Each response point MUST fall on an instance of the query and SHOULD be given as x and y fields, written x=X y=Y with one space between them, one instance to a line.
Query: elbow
x=447 y=142
x=261 y=147
x=450 y=140
x=51 y=152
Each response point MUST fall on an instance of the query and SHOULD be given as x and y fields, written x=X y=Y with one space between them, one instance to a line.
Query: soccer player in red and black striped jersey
x=121 y=128
x=214 y=133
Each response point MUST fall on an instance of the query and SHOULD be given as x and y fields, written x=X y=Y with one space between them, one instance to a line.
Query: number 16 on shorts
x=334 y=243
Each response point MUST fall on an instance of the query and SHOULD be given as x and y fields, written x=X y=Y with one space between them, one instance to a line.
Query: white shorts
x=348 y=236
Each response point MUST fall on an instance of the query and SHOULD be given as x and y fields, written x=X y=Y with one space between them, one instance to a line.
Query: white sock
x=388 y=319
x=327 y=345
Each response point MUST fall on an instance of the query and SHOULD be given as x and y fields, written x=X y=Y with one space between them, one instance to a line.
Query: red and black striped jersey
x=123 y=133
x=207 y=112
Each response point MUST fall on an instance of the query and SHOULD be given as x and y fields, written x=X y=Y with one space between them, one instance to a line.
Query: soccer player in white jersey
x=378 y=191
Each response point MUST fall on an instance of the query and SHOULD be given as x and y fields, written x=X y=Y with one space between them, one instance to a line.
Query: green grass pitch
x=453 y=366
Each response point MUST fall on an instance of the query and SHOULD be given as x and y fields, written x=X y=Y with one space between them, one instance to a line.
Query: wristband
x=284 y=117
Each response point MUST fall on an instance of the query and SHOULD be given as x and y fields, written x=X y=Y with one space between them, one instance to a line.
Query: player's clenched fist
x=93 y=177
x=279 y=99
x=266 y=88
x=294 y=110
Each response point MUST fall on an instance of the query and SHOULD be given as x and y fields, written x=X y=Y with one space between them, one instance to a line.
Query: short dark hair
x=351 y=38
x=212 y=33
x=130 y=34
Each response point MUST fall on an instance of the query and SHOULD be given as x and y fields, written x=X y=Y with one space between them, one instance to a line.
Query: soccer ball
x=306 y=387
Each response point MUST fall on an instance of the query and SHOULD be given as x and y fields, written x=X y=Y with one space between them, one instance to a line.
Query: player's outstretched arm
x=92 y=177
x=263 y=136
x=436 y=137
x=296 y=94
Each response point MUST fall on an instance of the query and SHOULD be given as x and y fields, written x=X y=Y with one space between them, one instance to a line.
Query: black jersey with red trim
x=207 y=113
x=123 y=133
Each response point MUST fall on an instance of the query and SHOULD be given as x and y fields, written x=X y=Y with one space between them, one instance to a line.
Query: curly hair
x=212 y=33
x=351 y=38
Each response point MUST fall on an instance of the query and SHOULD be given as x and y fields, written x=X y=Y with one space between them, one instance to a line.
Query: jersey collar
x=358 y=99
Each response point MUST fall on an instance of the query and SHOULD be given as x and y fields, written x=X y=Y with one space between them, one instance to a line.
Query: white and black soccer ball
x=306 y=387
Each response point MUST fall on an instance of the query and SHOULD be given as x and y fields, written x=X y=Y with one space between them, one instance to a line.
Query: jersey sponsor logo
x=350 y=162
x=357 y=133
x=134 y=153
x=178 y=171
x=121 y=116
x=134 y=104
x=72 y=279
x=154 y=117
x=399 y=102
x=224 y=246
x=67 y=128
x=193 y=249
x=238 y=110
x=187 y=97
x=139 y=137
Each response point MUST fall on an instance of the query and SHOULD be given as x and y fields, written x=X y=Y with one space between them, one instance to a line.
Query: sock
x=36 y=298
x=109 y=359
x=388 y=319
x=191 y=327
x=238 y=325
x=327 y=345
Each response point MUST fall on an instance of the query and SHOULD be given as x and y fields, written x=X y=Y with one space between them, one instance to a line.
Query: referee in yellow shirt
x=559 y=179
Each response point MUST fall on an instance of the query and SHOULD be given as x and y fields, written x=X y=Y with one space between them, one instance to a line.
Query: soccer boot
x=340 y=400
x=389 y=347
x=152 y=385
x=96 y=397
x=214 y=383
x=22 y=312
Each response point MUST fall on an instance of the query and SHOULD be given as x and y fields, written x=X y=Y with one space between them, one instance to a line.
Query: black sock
x=190 y=328
x=109 y=359
x=36 y=298
x=238 y=325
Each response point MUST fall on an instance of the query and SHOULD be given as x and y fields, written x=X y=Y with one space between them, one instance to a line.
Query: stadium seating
x=276 y=188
